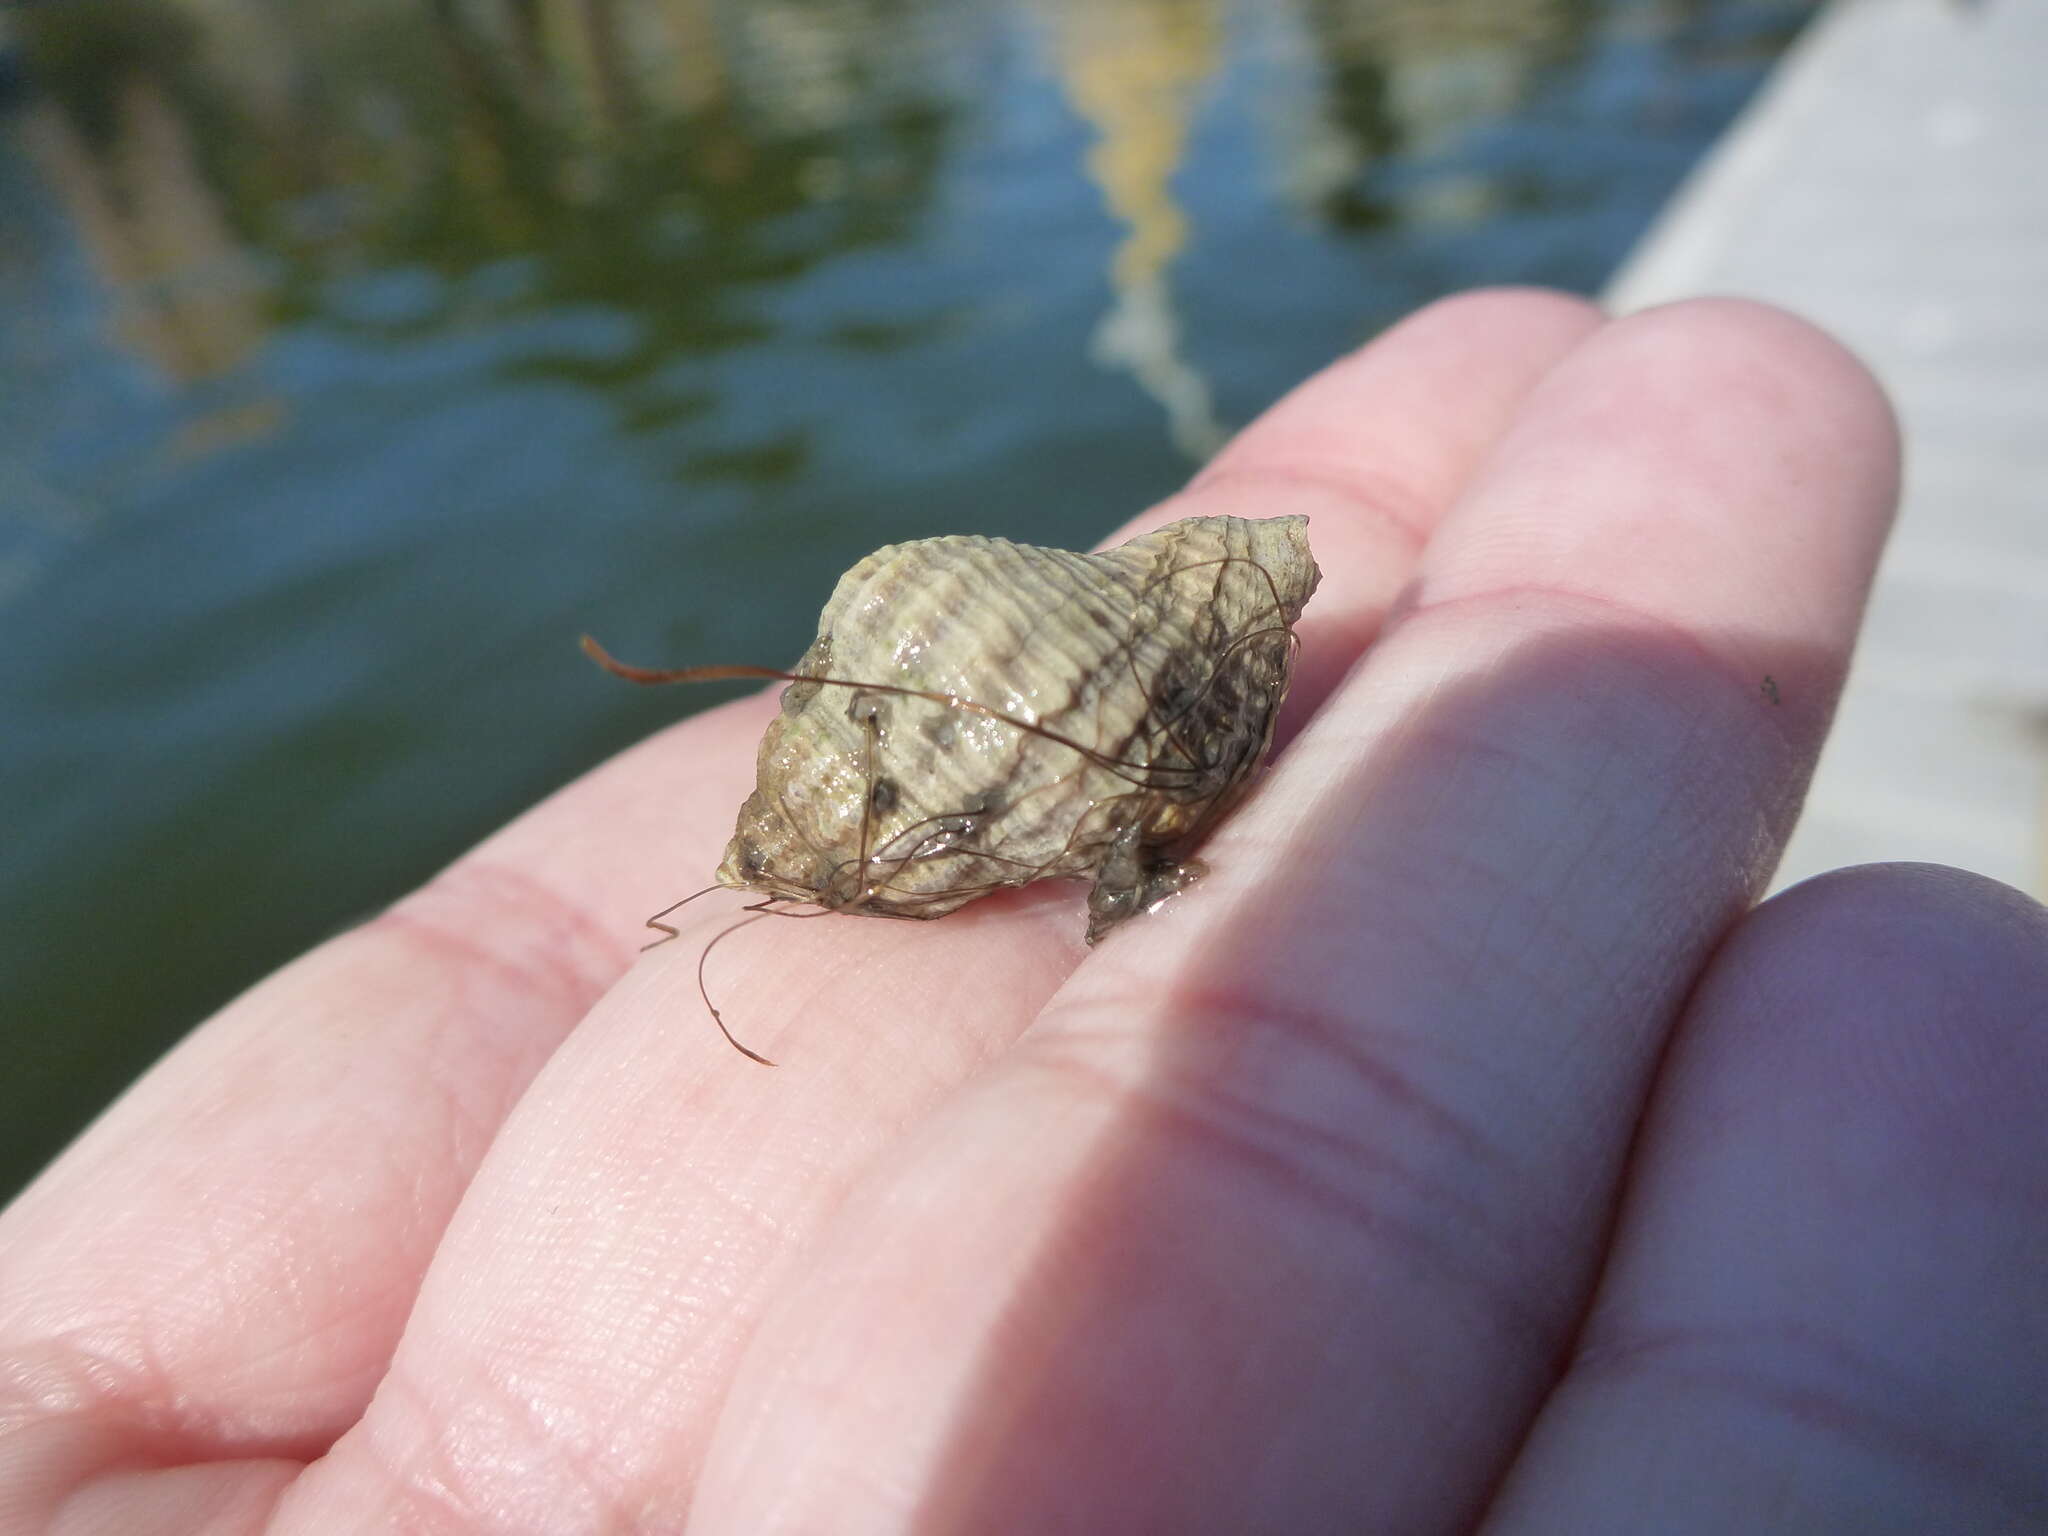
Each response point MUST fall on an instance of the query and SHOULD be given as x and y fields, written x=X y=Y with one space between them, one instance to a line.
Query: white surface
x=1891 y=183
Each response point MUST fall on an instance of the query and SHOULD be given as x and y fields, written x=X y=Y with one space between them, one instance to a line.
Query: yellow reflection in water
x=1135 y=70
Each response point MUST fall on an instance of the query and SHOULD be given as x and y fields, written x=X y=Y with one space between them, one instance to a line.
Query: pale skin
x=1465 y=1151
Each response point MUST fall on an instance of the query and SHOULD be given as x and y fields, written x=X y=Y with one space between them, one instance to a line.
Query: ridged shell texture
x=978 y=714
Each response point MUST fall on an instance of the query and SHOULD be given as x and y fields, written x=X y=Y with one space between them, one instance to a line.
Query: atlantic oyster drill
x=977 y=714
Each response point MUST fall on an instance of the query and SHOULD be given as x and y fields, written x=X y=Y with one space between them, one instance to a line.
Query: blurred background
x=355 y=359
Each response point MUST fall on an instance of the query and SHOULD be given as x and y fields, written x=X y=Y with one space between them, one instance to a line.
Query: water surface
x=356 y=358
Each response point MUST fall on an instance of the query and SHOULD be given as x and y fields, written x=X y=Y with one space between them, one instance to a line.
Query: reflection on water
x=358 y=357
x=1135 y=73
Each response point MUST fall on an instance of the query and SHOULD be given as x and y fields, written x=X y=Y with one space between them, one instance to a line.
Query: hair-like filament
x=1190 y=776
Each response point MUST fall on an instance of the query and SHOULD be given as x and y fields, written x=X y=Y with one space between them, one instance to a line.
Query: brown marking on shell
x=976 y=714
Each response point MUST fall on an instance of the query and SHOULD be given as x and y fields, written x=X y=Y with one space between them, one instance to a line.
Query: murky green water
x=355 y=358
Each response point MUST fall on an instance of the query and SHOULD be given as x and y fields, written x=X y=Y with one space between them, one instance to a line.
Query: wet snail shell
x=976 y=714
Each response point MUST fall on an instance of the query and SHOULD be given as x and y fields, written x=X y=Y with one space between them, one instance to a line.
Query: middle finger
x=1281 y=1217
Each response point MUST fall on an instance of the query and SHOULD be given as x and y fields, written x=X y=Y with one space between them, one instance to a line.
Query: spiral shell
x=976 y=714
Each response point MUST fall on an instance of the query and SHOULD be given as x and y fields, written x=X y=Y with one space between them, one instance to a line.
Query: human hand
x=1462 y=1148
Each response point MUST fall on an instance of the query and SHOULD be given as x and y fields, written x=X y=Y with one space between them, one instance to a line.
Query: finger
x=1290 y=1203
x=652 y=1174
x=1827 y=1307
x=1374 y=452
